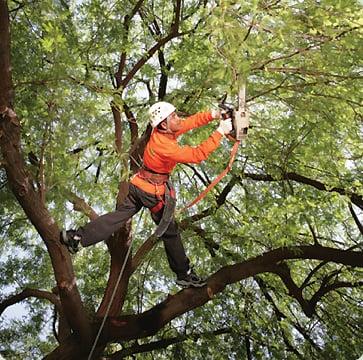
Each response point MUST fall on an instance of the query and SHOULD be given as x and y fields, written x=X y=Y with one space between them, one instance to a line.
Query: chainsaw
x=240 y=124
x=240 y=116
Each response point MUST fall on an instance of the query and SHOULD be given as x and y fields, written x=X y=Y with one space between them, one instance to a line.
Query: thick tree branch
x=28 y=292
x=164 y=343
x=148 y=323
x=6 y=88
x=164 y=68
x=128 y=327
x=41 y=175
x=296 y=292
x=118 y=249
x=134 y=129
x=118 y=127
x=118 y=246
x=177 y=11
x=126 y=25
x=81 y=205
x=327 y=288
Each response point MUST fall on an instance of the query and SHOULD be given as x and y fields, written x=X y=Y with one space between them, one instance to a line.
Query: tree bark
x=21 y=185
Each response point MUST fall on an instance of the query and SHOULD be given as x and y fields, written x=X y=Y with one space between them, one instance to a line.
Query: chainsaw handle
x=226 y=111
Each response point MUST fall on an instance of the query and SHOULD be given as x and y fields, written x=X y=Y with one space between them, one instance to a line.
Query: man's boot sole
x=65 y=242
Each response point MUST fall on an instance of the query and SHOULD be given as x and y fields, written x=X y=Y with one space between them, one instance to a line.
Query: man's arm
x=194 y=154
x=197 y=120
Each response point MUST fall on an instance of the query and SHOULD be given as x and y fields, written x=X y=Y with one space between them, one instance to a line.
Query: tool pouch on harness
x=169 y=209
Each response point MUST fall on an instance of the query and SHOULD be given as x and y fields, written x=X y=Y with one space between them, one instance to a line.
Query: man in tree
x=150 y=187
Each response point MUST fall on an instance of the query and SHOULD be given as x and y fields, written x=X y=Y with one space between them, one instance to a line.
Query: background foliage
x=302 y=63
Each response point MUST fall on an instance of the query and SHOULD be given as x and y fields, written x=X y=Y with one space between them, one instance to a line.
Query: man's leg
x=174 y=248
x=175 y=252
x=104 y=226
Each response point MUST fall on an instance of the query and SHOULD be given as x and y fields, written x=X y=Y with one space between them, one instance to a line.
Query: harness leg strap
x=169 y=209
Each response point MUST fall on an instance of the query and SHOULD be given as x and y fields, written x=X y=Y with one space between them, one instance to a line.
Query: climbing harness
x=113 y=292
x=240 y=122
x=168 y=202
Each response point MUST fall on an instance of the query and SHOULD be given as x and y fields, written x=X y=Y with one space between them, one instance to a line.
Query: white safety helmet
x=159 y=112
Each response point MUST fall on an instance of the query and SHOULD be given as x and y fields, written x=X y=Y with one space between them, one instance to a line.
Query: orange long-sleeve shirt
x=162 y=152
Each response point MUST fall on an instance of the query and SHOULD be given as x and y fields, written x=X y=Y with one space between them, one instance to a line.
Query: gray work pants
x=104 y=226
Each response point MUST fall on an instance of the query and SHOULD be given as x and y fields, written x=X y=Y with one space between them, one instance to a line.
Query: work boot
x=71 y=240
x=190 y=279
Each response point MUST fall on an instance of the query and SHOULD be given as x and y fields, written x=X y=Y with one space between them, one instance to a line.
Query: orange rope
x=217 y=179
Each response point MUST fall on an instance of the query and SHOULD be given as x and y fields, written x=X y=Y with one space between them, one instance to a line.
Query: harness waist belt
x=152 y=177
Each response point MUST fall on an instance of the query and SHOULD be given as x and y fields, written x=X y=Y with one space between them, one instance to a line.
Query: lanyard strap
x=217 y=179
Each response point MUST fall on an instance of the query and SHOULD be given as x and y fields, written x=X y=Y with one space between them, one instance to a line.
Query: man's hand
x=216 y=114
x=222 y=114
x=225 y=126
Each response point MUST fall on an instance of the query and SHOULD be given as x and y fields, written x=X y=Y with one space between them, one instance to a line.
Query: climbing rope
x=114 y=291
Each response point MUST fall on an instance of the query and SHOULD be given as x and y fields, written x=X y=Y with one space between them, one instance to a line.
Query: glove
x=216 y=114
x=225 y=126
